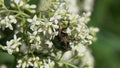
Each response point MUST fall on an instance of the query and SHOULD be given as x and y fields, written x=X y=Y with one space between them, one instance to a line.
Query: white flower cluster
x=13 y=45
x=83 y=59
x=7 y=22
x=26 y=62
x=56 y=36
x=35 y=62
x=22 y=4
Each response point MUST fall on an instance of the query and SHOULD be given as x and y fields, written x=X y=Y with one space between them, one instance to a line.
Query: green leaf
x=7 y=3
x=6 y=59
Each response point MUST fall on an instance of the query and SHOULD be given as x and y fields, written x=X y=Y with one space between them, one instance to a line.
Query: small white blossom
x=49 y=43
x=12 y=45
x=33 y=6
x=24 y=64
x=7 y=21
x=81 y=49
x=3 y=66
x=16 y=1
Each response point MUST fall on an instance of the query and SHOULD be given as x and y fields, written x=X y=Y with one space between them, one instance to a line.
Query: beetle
x=61 y=41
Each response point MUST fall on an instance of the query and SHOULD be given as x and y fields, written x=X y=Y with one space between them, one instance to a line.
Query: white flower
x=48 y=63
x=52 y=18
x=3 y=66
x=56 y=21
x=81 y=49
x=19 y=61
x=35 y=64
x=68 y=30
x=10 y=51
x=12 y=19
x=49 y=30
x=16 y=1
x=88 y=5
x=27 y=6
x=35 y=33
x=49 y=43
x=33 y=6
x=19 y=2
x=44 y=5
x=7 y=21
x=12 y=45
x=24 y=64
x=67 y=56
x=34 y=23
x=87 y=59
x=33 y=20
x=72 y=6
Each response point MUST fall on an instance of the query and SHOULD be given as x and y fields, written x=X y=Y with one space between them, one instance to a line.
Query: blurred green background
x=106 y=50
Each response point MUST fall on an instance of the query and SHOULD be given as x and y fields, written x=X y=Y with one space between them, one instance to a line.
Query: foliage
x=106 y=49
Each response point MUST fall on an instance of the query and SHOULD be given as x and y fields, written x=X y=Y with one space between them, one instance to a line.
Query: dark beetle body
x=61 y=40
